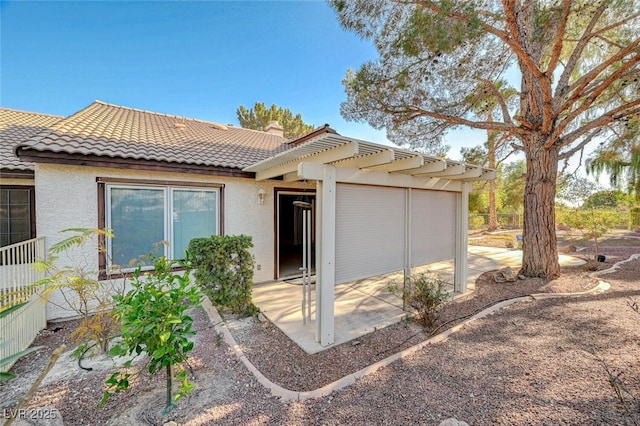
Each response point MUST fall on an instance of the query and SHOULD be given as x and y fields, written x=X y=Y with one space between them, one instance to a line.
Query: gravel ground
x=537 y=362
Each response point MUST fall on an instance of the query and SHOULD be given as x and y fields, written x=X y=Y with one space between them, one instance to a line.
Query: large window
x=159 y=220
x=16 y=215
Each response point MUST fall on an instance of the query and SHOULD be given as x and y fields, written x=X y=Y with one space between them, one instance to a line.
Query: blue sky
x=197 y=59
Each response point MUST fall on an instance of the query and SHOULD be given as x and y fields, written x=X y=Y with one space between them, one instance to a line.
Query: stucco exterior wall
x=16 y=181
x=67 y=197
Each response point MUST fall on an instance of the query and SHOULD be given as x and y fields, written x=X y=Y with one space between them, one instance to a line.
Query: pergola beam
x=313 y=171
x=401 y=164
x=457 y=169
x=486 y=175
x=428 y=168
x=330 y=155
x=383 y=157
x=470 y=173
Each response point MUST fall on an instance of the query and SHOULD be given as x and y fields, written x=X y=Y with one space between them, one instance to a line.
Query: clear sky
x=200 y=59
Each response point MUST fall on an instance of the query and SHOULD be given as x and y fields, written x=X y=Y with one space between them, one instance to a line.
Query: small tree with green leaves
x=591 y=224
x=154 y=320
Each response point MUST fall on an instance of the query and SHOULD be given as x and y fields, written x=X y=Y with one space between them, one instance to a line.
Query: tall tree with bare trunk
x=578 y=63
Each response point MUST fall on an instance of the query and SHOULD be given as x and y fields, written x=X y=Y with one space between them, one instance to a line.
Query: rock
x=171 y=423
x=355 y=343
x=453 y=422
x=504 y=275
x=41 y=416
x=568 y=249
x=522 y=277
x=261 y=317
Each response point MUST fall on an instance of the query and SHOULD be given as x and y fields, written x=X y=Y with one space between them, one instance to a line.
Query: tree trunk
x=493 y=213
x=169 y=400
x=540 y=249
x=492 y=138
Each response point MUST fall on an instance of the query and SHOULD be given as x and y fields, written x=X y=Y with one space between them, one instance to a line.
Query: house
x=150 y=177
x=17 y=192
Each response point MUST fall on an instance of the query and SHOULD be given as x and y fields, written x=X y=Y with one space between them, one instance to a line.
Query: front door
x=289 y=232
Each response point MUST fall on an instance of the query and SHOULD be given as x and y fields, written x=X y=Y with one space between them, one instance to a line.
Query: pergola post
x=326 y=256
x=462 y=225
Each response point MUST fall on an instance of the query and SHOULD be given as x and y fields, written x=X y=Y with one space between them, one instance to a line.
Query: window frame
x=32 y=206
x=104 y=212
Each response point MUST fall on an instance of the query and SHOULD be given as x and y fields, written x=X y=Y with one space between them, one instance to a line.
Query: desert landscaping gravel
x=539 y=362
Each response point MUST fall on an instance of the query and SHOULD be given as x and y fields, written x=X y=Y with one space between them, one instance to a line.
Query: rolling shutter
x=370 y=231
x=433 y=223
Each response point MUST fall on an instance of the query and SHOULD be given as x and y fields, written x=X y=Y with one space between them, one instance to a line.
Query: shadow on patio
x=366 y=305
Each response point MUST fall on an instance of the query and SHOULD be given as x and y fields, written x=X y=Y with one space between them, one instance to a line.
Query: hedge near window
x=224 y=270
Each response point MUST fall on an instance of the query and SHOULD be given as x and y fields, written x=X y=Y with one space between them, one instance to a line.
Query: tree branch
x=584 y=81
x=412 y=113
x=506 y=117
x=514 y=40
x=589 y=100
x=557 y=44
x=569 y=153
x=569 y=68
x=616 y=114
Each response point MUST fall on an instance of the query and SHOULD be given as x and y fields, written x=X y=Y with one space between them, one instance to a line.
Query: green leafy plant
x=426 y=293
x=76 y=281
x=154 y=320
x=224 y=270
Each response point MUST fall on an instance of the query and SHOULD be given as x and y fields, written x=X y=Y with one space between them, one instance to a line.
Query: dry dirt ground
x=555 y=361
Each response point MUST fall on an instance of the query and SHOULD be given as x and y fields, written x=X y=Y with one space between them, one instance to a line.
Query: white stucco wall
x=67 y=197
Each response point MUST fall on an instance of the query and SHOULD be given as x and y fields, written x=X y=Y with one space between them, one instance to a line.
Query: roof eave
x=35 y=156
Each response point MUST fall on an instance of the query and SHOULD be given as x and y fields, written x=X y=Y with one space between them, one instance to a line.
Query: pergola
x=380 y=209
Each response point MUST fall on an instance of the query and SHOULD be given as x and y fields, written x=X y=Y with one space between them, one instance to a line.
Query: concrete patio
x=366 y=305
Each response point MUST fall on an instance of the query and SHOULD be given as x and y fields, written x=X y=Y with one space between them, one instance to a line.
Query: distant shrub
x=476 y=222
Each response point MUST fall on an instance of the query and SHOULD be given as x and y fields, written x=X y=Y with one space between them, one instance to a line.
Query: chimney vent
x=275 y=128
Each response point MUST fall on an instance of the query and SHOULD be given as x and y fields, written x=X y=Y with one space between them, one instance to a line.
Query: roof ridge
x=32 y=112
x=161 y=114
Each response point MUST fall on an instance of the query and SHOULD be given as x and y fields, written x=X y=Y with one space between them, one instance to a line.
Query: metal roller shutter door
x=370 y=231
x=433 y=223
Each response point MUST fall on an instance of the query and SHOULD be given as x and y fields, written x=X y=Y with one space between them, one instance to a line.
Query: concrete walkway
x=364 y=306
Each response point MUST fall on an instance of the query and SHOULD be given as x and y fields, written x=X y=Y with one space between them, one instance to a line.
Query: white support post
x=408 y=231
x=319 y=204
x=462 y=225
x=325 y=287
x=304 y=267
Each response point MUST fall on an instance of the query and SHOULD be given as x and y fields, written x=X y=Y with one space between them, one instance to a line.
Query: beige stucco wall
x=17 y=182
x=67 y=197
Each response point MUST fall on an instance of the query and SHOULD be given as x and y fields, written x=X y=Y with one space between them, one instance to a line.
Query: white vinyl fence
x=16 y=276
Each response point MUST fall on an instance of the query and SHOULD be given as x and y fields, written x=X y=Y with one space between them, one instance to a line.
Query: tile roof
x=114 y=131
x=16 y=127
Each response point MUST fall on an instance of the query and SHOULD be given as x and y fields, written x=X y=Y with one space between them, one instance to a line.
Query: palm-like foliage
x=620 y=159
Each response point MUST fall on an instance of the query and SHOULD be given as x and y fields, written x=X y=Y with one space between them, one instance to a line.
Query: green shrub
x=426 y=293
x=476 y=222
x=154 y=320
x=224 y=270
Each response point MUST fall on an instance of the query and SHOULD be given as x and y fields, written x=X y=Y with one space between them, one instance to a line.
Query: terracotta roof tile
x=119 y=132
x=16 y=127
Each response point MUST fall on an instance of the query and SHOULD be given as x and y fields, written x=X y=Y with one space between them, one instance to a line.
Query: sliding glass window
x=158 y=220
